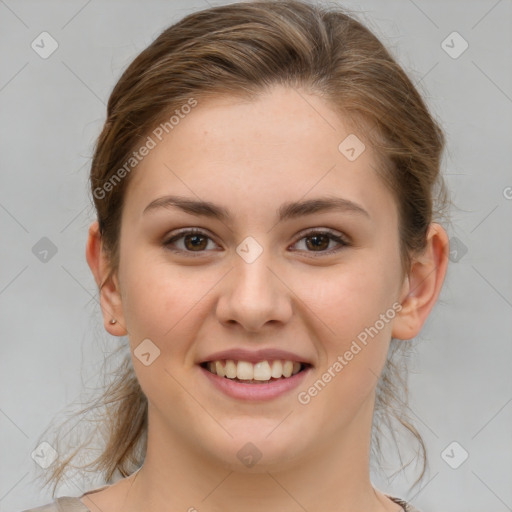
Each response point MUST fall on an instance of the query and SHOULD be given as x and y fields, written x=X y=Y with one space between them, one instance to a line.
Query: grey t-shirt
x=71 y=504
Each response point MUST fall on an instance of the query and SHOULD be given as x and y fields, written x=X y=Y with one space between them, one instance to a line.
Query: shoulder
x=68 y=503
x=62 y=504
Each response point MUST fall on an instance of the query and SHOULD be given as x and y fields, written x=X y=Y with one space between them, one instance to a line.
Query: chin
x=259 y=453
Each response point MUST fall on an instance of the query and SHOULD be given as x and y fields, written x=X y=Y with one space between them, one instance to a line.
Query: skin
x=250 y=157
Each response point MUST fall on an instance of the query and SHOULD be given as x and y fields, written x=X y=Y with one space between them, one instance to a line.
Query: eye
x=320 y=241
x=194 y=240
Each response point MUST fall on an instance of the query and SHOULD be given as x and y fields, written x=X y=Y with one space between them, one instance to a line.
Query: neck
x=334 y=475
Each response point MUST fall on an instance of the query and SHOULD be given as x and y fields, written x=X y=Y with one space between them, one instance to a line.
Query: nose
x=253 y=295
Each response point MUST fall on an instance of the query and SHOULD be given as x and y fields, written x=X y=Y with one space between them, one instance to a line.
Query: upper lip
x=253 y=356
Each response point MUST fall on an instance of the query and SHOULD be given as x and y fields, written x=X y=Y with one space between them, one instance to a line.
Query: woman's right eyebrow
x=286 y=211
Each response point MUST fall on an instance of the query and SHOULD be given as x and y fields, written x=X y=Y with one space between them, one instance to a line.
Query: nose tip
x=252 y=296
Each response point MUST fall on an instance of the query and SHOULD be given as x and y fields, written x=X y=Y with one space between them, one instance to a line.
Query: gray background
x=52 y=111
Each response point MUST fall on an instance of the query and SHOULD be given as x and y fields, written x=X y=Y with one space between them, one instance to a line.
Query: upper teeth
x=262 y=370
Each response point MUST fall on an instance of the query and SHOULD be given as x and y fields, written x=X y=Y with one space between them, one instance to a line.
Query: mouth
x=261 y=372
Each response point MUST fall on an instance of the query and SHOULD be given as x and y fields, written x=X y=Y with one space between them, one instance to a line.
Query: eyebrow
x=290 y=210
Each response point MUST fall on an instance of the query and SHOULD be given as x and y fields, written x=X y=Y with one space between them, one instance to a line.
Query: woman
x=265 y=185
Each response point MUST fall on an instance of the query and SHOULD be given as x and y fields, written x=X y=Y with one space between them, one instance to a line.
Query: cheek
x=354 y=312
x=348 y=300
x=353 y=354
x=157 y=296
x=166 y=303
x=162 y=303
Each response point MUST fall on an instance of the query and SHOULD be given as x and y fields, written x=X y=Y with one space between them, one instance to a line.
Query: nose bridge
x=253 y=282
x=253 y=295
x=253 y=278
x=252 y=260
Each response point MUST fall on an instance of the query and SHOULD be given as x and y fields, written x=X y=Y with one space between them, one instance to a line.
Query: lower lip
x=246 y=391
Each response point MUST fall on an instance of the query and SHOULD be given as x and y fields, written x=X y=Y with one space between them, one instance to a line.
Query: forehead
x=246 y=154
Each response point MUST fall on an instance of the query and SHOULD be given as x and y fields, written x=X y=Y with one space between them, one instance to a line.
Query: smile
x=262 y=380
x=262 y=371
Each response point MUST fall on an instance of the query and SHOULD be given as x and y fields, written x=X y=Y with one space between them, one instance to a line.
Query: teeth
x=244 y=370
x=287 y=368
x=260 y=371
x=230 y=369
x=219 y=369
x=277 y=369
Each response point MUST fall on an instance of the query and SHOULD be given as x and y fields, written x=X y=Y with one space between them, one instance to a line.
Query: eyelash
x=332 y=236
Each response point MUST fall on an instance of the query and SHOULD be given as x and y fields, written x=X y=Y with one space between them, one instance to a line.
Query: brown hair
x=243 y=49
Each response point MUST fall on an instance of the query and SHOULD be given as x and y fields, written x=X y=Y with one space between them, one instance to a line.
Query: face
x=318 y=283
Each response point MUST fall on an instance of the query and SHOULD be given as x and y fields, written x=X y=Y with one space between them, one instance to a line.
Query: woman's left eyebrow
x=286 y=211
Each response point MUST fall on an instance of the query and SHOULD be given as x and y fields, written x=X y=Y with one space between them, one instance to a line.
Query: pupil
x=188 y=238
x=316 y=237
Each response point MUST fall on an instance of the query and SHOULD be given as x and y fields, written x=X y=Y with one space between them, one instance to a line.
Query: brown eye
x=189 y=241
x=193 y=242
x=318 y=242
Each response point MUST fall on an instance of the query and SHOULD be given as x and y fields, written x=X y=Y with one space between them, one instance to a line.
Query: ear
x=110 y=297
x=423 y=285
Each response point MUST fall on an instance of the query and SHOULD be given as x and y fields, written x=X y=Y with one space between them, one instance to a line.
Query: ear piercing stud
x=113 y=321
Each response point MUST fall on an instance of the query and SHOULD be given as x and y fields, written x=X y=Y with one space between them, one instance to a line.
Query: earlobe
x=423 y=284
x=110 y=298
